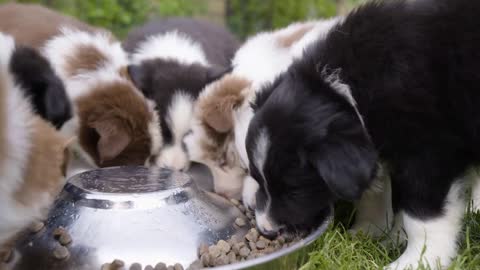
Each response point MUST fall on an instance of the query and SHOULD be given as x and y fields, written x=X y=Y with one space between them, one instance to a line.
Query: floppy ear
x=136 y=74
x=46 y=90
x=346 y=167
x=114 y=138
x=216 y=72
x=217 y=107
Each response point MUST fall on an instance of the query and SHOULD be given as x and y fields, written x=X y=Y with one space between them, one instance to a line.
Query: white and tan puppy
x=33 y=155
x=223 y=111
x=114 y=122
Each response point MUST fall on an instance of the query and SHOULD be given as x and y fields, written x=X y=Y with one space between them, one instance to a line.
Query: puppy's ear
x=45 y=89
x=136 y=74
x=216 y=72
x=114 y=138
x=223 y=97
x=347 y=167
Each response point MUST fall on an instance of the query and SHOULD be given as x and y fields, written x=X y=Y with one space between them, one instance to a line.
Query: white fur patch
x=17 y=146
x=59 y=49
x=180 y=113
x=319 y=32
x=242 y=118
x=154 y=129
x=250 y=188
x=172 y=45
x=433 y=242
x=261 y=59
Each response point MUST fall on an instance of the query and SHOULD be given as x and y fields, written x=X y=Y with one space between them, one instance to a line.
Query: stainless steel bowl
x=138 y=215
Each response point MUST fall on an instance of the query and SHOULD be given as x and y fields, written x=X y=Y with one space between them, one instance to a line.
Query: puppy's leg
x=431 y=205
x=374 y=213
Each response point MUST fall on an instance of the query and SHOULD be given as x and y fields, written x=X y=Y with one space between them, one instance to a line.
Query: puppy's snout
x=269 y=234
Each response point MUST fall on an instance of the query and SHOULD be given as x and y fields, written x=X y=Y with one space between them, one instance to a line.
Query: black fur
x=161 y=79
x=44 y=88
x=412 y=68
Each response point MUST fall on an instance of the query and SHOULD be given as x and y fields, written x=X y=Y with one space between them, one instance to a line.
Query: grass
x=339 y=250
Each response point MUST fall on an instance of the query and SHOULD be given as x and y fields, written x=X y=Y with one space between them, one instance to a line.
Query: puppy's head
x=307 y=147
x=171 y=70
x=212 y=140
x=44 y=88
x=114 y=122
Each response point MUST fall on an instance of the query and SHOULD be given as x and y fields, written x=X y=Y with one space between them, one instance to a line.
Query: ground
x=338 y=250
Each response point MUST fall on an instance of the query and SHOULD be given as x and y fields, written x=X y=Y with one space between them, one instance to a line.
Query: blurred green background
x=243 y=17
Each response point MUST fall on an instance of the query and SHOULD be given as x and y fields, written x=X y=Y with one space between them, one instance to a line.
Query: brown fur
x=32 y=25
x=44 y=172
x=287 y=41
x=114 y=122
x=216 y=109
x=85 y=58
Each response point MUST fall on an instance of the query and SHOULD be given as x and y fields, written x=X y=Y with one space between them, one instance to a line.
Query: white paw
x=250 y=187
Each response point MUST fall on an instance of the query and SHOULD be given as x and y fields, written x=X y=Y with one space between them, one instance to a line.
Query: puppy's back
x=217 y=42
x=32 y=24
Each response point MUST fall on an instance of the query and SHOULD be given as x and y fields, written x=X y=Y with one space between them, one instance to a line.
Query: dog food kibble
x=65 y=239
x=261 y=244
x=251 y=246
x=244 y=252
x=162 y=266
x=242 y=208
x=240 y=222
x=58 y=232
x=170 y=268
x=61 y=253
x=224 y=246
x=136 y=266
x=235 y=202
x=178 y=266
x=196 y=265
x=148 y=267
x=37 y=226
x=221 y=260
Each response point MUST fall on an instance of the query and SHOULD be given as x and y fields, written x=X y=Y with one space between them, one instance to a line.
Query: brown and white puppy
x=223 y=111
x=114 y=122
x=33 y=155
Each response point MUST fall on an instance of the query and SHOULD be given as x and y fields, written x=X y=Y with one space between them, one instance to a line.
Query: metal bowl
x=146 y=216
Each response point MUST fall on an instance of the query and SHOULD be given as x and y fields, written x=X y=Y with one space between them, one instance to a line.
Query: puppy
x=394 y=81
x=223 y=110
x=114 y=122
x=172 y=61
x=33 y=155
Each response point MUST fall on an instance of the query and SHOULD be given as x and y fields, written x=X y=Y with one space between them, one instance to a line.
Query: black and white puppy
x=395 y=81
x=44 y=88
x=172 y=61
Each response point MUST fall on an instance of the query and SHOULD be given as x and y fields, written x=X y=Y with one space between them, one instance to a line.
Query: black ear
x=347 y=166
x=45 y=89
x=216 y=72
x=137 y=75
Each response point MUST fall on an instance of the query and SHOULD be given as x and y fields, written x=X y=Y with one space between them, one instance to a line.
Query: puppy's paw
x=250 y=187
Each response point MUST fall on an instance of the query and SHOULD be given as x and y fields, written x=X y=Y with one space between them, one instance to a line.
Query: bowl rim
x=304 y=242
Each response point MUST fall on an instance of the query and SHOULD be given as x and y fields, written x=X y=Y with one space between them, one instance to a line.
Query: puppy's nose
x=269 y=234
